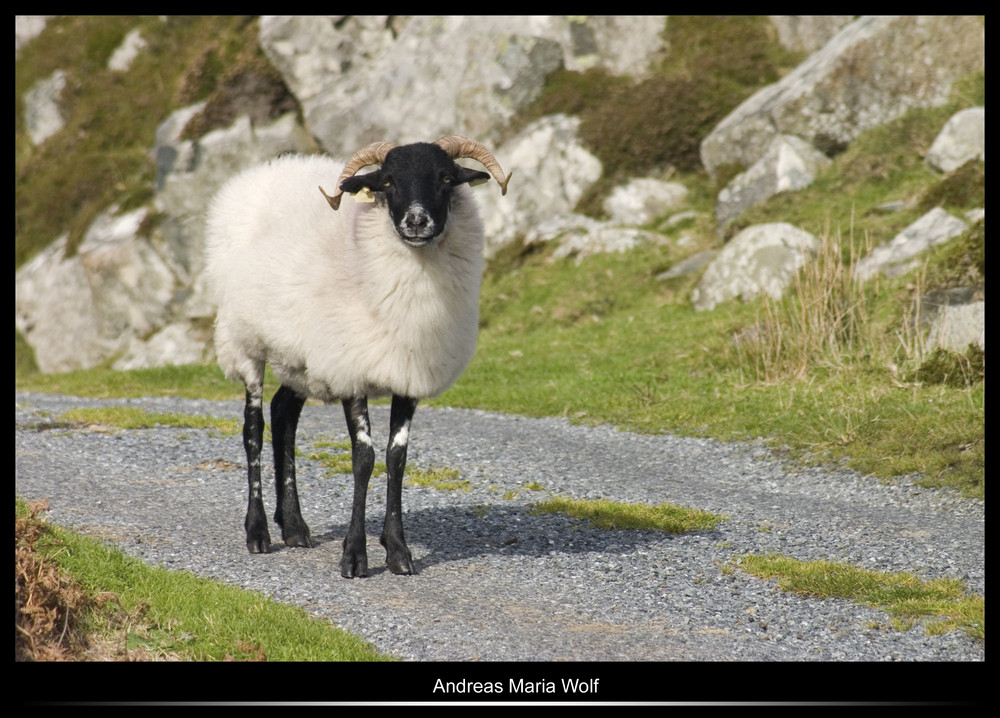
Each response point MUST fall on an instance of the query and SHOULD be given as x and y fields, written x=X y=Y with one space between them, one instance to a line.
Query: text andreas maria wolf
x=515 y=686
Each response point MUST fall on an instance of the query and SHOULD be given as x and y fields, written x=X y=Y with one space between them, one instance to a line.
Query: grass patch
x=440 y=477
x=135 y=611
x=825 y=320
x=904 y=596
x=341 y=462
x=189 y=381
x=125 y=417
x=959 y=262
x=615 y=515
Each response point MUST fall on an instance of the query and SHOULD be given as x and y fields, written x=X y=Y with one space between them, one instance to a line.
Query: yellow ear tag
x=364 y=195
x=476 y=183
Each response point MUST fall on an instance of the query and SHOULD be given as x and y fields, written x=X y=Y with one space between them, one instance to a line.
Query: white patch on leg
x=255 y=393
x=402 y=436
x=362 y=432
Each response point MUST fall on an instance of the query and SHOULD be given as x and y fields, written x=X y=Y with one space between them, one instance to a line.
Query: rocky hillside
x=613 y=127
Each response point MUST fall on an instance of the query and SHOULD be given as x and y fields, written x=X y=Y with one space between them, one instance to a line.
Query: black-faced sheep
x=378 y=298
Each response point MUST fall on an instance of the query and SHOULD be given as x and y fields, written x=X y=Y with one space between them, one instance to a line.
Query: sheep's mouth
x=417 y=241
x=419 y=237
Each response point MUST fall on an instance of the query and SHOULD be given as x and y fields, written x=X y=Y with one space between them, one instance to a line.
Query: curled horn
x=373 y=154
x=457 y=147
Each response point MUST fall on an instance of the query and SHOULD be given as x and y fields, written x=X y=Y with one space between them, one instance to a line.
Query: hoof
x=259 y=545
x=398 y=559
x=258 y=538
x=354 y=563
x=294 y=531
x=354 y=567
x=401 y=567
x=299 y=541
x=297 y=536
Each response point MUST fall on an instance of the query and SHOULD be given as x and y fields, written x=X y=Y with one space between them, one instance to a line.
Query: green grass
x=943 y=602
x=125 y=417
x=341 y=462
x=606 y=514
x=191 y=381
x=193 y=618
x=441 y=478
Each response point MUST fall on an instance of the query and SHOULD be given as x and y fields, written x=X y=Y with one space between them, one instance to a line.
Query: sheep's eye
x=446 y=179
x=387 y=183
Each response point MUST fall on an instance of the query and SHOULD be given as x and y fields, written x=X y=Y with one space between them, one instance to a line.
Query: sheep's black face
x=417 y=182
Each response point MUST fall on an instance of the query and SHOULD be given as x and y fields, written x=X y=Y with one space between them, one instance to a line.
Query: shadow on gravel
x=441 y=535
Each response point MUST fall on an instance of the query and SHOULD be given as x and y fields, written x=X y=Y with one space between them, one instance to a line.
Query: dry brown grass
x=52 y=609
x=48 y=604
x=825 y=322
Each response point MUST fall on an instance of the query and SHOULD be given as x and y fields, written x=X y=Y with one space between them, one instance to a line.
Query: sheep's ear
x=362 y=187
x=353 y=185
x=473 y=177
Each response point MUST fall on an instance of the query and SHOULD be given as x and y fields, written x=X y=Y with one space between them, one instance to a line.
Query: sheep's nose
x=417 y=223
x=417 y=220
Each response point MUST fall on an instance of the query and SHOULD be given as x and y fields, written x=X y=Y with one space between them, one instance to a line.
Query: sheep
x=378 y=298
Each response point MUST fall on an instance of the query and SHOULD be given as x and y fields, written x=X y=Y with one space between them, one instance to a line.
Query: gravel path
x=496 y=583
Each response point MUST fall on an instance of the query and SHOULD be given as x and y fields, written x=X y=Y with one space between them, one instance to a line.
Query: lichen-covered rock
x=897 y=255
x=643 y=199
x=177 y=343
x=54 y=312
x=789 y=164
x=762 y=259
x=361 y=79
x=551 y=171
x=871 y=72
x=42 y=111
x=963 y=138
x=81 y=310
x=954 y=318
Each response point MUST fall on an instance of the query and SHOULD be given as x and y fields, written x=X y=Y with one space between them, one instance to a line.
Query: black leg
x=285 y=409
x=355 y=560
x=258 y=539
x=398 y=557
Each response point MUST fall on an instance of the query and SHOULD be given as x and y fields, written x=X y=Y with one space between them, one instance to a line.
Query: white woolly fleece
x=334 y=301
